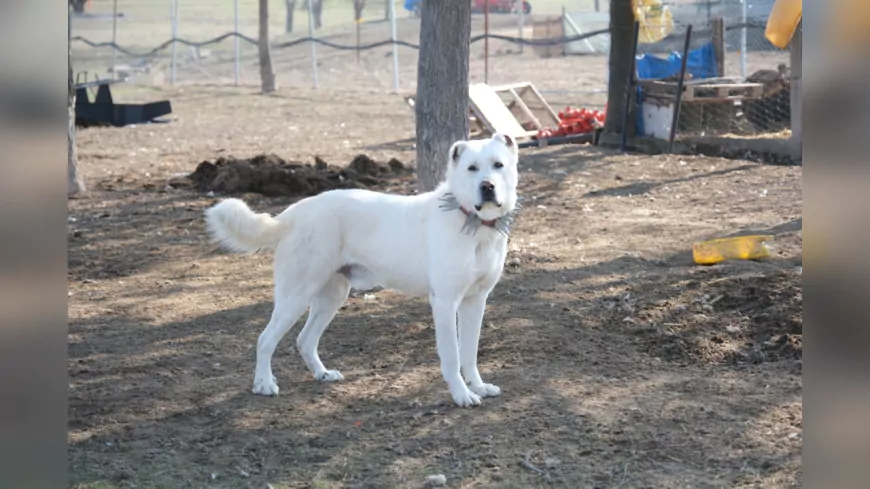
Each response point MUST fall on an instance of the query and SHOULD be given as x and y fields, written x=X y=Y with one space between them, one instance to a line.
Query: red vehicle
x=499 y=6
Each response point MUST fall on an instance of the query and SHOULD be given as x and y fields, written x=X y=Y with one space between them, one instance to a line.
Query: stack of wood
x=772 y=112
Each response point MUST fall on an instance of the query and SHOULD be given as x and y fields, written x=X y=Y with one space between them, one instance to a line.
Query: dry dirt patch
x=162 y=327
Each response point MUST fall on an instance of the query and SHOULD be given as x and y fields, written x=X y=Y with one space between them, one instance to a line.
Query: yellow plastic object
x=656 y=21
x=783 y=21
x=737 y=248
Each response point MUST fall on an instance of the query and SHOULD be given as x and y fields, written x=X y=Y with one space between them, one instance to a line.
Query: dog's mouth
x=479 y=207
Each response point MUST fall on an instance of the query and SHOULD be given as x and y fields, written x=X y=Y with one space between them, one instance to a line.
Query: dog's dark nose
x=487 y=191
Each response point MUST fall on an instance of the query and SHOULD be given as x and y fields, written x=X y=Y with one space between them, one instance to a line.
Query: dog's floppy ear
x=508 y=141
x=456 y=151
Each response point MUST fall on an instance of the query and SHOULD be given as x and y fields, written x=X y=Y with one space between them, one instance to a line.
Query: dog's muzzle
x=487 y=194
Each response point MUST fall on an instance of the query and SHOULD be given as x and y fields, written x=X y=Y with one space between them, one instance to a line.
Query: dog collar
x=473 y=221
x=488 y=222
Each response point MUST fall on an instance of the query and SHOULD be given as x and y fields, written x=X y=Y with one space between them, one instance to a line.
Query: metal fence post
x=486 y=42
x=114 y=39
x=743 y=40
x=313 y=45
x=521 y=11
x=174 y=19
x=236 y=40
x=395 y=46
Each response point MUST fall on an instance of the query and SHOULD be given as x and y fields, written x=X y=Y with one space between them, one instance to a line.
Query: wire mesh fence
x=566 y=55
x=737 y=83
x=208 y=51
x=133 y=37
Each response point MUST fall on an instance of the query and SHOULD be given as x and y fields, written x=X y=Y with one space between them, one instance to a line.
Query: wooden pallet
x=489 y=112
x=737 y=91
x=521 y=96
x=703 y=90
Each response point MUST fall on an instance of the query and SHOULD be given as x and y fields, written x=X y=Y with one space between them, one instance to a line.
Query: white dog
x=448 y=245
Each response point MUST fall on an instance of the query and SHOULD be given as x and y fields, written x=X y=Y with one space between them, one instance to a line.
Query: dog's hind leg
x=296 y=282
x=285 y=314
x=470 y=315
x=325 y=304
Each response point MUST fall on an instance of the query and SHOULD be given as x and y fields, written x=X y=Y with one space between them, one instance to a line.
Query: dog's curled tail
x=234 y=225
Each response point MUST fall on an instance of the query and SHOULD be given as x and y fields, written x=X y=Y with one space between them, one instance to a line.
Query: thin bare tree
x=267 y=74
x=317 y=10
x=358 y=6
x=288 y=20
x=442 y=86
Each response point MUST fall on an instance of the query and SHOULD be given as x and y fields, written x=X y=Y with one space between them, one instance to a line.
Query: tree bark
x=267 y=74
x=621 y=39
x=288 y=21
x=317 y=10
x=442 y=86
x=75 y=184
x=358 y=6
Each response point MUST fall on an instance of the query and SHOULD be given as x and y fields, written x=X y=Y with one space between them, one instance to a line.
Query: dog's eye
x=498 y=164
x=472 y=168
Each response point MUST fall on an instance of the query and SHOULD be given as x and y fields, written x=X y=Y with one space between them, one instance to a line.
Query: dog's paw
x=466 y=398
x=265 y=386
x=485 y=390
x=329 y=376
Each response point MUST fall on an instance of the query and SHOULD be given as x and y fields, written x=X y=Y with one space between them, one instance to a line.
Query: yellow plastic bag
x=656 y=21
x=783 y=21
x=737 y=248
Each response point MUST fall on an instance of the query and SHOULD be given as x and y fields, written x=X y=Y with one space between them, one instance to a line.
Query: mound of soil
x=725 y=317
x=273 y=176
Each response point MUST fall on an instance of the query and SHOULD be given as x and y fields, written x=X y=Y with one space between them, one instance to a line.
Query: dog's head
x=482 y=174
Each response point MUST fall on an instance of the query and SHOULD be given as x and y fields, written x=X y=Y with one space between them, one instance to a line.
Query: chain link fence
x=737 y=83
x=566 y=55
x=133 y=39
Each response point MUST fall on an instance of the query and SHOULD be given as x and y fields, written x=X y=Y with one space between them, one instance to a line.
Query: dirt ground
x=621 y=363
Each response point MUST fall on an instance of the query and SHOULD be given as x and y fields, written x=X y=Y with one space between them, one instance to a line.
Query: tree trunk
x=358 y=6
x=288 y=22
x=621 y=39
x=442 y=86
x=267 y=74
x=317 y=10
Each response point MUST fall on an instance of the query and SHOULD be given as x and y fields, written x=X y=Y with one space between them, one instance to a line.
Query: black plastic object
x=103 y=111
x=587 y=137
x=680 y=84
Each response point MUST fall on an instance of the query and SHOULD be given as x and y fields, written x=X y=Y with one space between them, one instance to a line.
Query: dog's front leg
x=471 y=311
x=444 y=313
